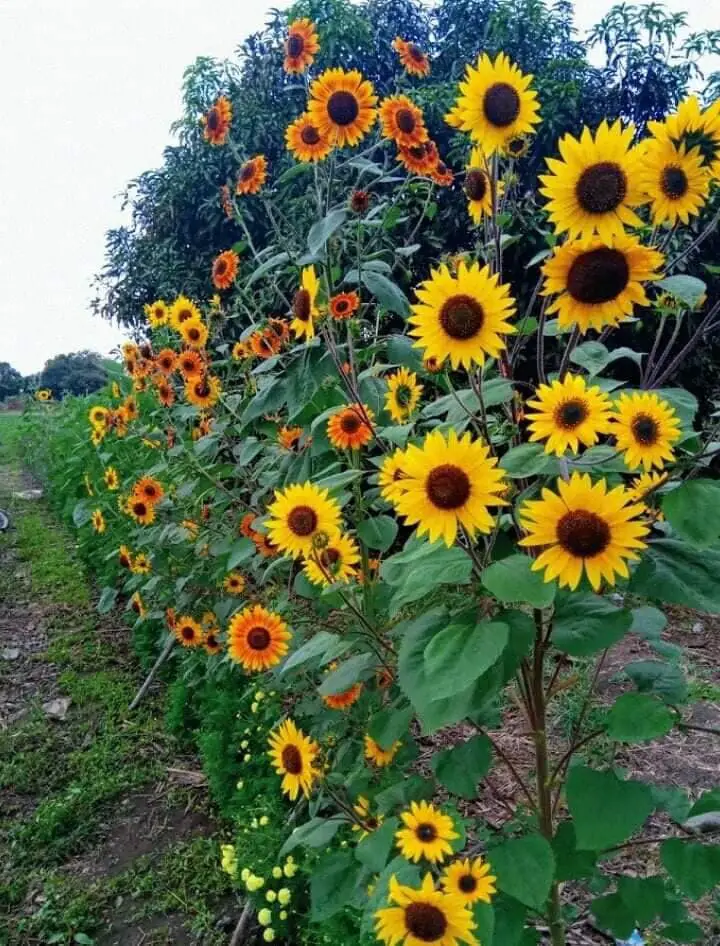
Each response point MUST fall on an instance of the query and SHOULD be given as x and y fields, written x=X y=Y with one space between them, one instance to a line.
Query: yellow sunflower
x=240 y=351
x=335 y=562
x=141 y=564
x=599 y=284
x=351 y=427
x=257 y=638
x=157 y=313
x=304 y=305
x=377 y=755
x=403 y=394
x=368 y=821
x=495 y=103
x=645 y=428
x=191 y=365
x=462 y=317
x=645 y=485
x=183 y=310
x=424 y=917
x=690 y=127
x=595 y=185
x=234 y=583
x=149 y=489
x=342 y=105
x=402 y=121
x=478 y=187
x=98 y=416
x=304 y=140
x=675 y=181
x=303 y=517
x=450 y=483
x=413 y=60
x=568 y=413
x=216 y=121
x=187 y=631
x=112 y=480
x=195 y=334
x=125 y=557
x=211 y=642
x=140 y=510
x=97 y=435
x=392 y=476
x=293 y=755
x=203 y=391
x=301 y=45
x=586 y=528
x=224 y=269
x=252 y=175
x=469 y=880
x=98 y=521
x=427 y=833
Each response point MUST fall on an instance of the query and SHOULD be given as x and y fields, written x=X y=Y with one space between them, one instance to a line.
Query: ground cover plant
x=363 y=521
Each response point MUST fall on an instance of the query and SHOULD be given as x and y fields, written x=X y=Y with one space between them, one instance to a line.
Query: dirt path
x=106 y=833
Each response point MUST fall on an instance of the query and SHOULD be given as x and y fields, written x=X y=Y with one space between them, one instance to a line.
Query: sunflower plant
x=426 y=516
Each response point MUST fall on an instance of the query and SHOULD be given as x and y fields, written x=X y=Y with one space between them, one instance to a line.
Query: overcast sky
x=88 y=89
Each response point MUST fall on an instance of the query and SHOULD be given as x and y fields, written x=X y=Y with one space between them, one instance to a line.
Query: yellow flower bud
x=245 y=874
x=269 y=935
x=284 y=896
x=244 y=744
x=271 y=896
x=277 y=872
x=264 y=917
x=290 y=870
x=283 y=915
x=254 y=707
x=247 y=757
x=259 y=695
x=264 y=821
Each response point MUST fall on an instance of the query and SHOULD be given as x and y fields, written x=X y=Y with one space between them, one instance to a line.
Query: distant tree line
x=80 y=372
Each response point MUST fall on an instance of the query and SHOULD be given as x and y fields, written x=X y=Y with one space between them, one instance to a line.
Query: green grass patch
x=55 y=572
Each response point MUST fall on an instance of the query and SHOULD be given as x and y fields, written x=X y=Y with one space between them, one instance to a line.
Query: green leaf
x=571 y=864
x=460 y=768
x=695 y=868
x=648 y=622
x=484 y=916
x=512 y=580
x=315 y=647
x=421 y=567
x=684 y=931
x=321 y=231
x=605 y=809
x=688 y=289
x=587 y=623
x=389 y=725
x=332 y=885
x=594 y=356
x=525 y=868
x=529 y=459
x=708 y=801
x=268 y=399
x=693 y=510
x=337 y=480
x=388 y=293
x=400 y=351
x=461 y=653
x=643 y=896
x=314 y=833
x=378 y=533
x=613 y=915
x=374 y=850
x=348 y=673
x=675 y=572
x=279 y=259
x=81 y=513
x=638 y=717
x=685 y=404
x=509 y=927
x=106 y=602
x=242 y=551
x=663 y=678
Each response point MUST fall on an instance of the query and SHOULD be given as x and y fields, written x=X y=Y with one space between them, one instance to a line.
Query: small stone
x=698 y=627
x=28 y=494
x=57 y=709
x=10 y=653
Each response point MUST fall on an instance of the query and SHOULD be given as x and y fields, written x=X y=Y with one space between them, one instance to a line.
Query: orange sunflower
x=402 y=121
x=344 y=305
x=224 y=269
x=191 y=365
x=252 y=175
x=342 y=105
x=188 y=632
x=344 y=700
x=420 y=159
x=350 y=427
x=289 y=438
x=203 y=391
x=166 y=361
x=257 y=638
x=305 y=141
x=217 y=120
x=301 y=45
x=413 y=60
x=165 y=393
x=264 y=343
x=149 y=489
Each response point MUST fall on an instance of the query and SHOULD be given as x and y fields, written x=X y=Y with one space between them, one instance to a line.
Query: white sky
x=88 y=89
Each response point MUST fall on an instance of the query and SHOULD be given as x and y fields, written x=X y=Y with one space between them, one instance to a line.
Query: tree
x=11 y=382
x=75 y=373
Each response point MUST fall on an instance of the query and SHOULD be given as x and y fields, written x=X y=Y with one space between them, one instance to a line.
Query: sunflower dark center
x=601 y=188
x=166 y=362
x=426 y=832
x=136 y=606
x=301 y=305
x=371 y=824
x=425 y=921
x=598 y=276
x=146 y=351
x=247 y=171
x=213 y=119
x=415 y=52
x=194 y=332
x=571 y=414
x=516 y=146
x=403 y=395
x=202 y=388
x=258 y=638
x=329 y=557
x=342 y=305
x=310 y=135
x=501 y=104
x=448 y=486
x=295 y=45
x=343 y=107
x=139 y=509
x=124 y=561
x=674 y=183
x=211 y=640
x=645 y=430
x=184 y=315
x=476 y=184
x=583 y=534
x=302 y=520
x=292 y=760
x=405 y=120
x=350 y=423
x=187 y=632
x=220 y=267
x=467 y=883
x=461 y=317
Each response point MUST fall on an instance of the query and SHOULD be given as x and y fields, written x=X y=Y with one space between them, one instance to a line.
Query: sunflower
x=495 y=103
x=157 y=313
x=137 y=605
x=344 y=305
x=424 y=917
x=166 y=361
x=462 y=317
x=141 y=564
x=595 y=185
x=112 y=480
x=442 y=175
x=303 y=517
x=98 y=416
x=599 y=284
x=647 y=484
x=413 y=60
x=568 y=413
x=377 y=755
x=449 y=483
x=257 y=638
x=301 y=45
x=402 y=121
x=360 y=201
x=675 y=181
x=240 y=351
x=195 y=334
x=140 y=510
x=265 y=343
x=183 y=310
x=97 y=436
x=478 y=187
x=234 y=583
x=246 y=525
x=342 y=106
x=469 y=880
x=211 y=643
x=304 y=305
x=419 y=159
x=165 y=394
x=403 y=394
x=351 y=427
x=252 y=175
x=293 y=756
x=224 y=269
x=392 y=476
x=191 y=365
x=98 y=521
x=263 y=545
x=305 y=141
x=645 y=428
x=335 y=562
x=517 y=147
x=345 y=699
x=204 y=391
x=44 y=394
x=226 y=201
x=216 y=121
x=692 y=127
x=187 y=631
x=280 y=328
x=367 y=821
x=125 y=557
x=427 y=833
x=289 y=438
x=149 y=489
x=586 y=528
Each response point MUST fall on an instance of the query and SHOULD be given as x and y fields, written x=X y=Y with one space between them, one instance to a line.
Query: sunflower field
x=367 y=529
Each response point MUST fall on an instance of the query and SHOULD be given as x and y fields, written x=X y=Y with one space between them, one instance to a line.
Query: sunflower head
x=257 y=639
x=252 y=175
x=568 y=413
x=224 y=269
x=351 y=427
x=402 y=121
x=187 y=631
x=335 y=561
x=293 y=755
x=470 y=880
x=137 y=605
x=300 y=517
x=112 y=480
x=360 y=201
x=676 y=182
x=216 y=121
x=98 y=521
x=142 y=511
x=403 y=394
x=426 y=832
x=301 y=46
x=125 y=557
x=645 y=428
x=203 y=391
x=305 y=141
x=413 y=60
x=290 y=438
x=377 y=755
x=424 y=916
x=304 y=304
x=148 y=489
x=234 y=583
x=344 y=305
x=194 y=334
x=141 y=564
x=157 y=313
x=342 y=106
